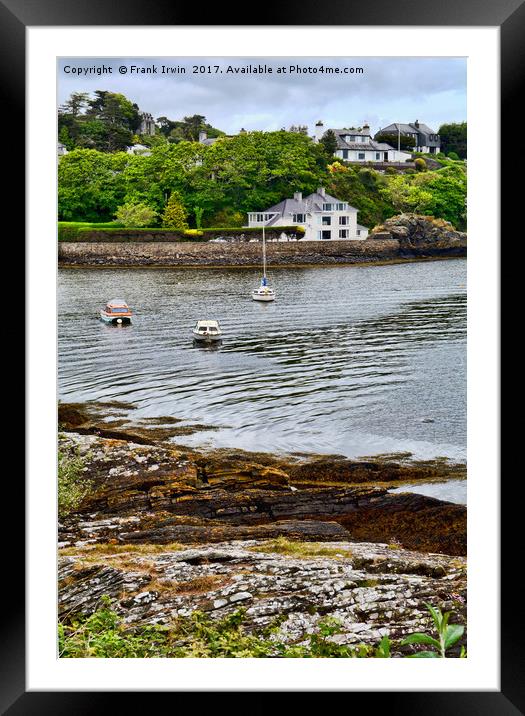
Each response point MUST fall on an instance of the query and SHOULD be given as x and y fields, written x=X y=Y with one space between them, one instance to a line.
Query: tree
x=135 y=215
x=91 y=185
x=329 y=142
x=454 y=138
x=198 y=211
x=406 y=142
x=175 y=214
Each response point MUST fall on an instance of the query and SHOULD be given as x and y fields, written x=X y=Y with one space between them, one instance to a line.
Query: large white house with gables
x=357 y=145
x=324 y=217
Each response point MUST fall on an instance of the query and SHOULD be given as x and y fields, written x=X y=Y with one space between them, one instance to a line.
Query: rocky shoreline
x=403 y=238
x=164 y=531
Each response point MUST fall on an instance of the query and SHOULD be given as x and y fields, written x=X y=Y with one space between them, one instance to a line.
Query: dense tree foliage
x=187 y=129
x=218 y=184
x=454 y=139
x=329 y=142
x=107 y=121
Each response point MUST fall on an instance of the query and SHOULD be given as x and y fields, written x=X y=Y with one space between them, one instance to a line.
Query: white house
x=324 y=217
x=357 y=145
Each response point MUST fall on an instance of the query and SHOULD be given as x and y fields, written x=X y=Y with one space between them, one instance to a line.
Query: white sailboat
x=263 y=292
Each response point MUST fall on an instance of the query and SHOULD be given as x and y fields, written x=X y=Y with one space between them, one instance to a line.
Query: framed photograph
x=276 y=449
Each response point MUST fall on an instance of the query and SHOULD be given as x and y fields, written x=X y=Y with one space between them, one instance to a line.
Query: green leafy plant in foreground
x=447 y=636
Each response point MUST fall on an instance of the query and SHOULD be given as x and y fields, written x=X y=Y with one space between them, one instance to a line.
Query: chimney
x=319 y=130
x=416 y=123
x=203 y=134
x=298 y=196
x=321 y=190
x=366 y=127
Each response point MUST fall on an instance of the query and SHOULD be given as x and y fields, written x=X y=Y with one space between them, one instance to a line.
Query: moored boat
x=116 y=311
x=263 y=292
x=207 y=331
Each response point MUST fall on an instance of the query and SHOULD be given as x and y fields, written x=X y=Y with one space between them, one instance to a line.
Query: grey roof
x=409 y=128
x=312 y=202
x=370 y=145
x=360 y=226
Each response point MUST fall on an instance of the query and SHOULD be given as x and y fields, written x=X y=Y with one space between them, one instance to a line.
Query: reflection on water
x=349 y=360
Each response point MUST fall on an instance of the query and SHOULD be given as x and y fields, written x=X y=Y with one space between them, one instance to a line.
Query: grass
x=282 y=545
x=98 y=550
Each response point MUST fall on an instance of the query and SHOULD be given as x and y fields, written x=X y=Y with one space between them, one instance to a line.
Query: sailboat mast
x=264 y=254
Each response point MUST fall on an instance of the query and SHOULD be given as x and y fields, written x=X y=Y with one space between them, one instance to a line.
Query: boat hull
x=207 y=338
x=264 y=297
x=115 y=320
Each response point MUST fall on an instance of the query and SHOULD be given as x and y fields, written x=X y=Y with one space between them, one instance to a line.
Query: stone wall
x=243 y=254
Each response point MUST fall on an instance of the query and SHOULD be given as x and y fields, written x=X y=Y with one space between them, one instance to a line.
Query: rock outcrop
x=371 y=589
x=421 y=235
x=159 y=494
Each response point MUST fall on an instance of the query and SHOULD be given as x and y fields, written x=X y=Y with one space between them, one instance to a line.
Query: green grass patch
x=282 y=545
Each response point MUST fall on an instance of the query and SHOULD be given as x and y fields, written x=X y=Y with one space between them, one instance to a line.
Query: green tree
x=175 y=214
x=135 y=215
x=90 y=185
x=198 y=211
x=329 y=142
x=453 y=138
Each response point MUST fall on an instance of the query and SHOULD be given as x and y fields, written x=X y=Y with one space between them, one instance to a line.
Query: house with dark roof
x=426 y=139
x=357 y=145
x=323 y=216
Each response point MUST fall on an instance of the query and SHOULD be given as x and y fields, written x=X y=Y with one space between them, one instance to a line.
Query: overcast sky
x=392 y=89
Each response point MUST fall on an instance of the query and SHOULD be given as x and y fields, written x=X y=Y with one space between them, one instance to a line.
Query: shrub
x=72 y=485
x=453 y=155
x=420 y=164
x=137 y=215
x=175 y=214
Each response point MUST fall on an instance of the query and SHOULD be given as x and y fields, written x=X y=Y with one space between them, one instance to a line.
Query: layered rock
x=371 y=589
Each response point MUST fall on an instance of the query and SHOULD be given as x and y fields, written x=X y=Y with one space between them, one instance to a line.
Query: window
x=343 y=220
x=327 y=221
x=298 y=218
x=360 y=155
x=327 y=207
x=345 y=153
x=378 y=156
x=343 y=233
x=326 y=234
x=359 y=232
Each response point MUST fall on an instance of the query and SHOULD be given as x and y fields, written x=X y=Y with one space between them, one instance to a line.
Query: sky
x=389 y=89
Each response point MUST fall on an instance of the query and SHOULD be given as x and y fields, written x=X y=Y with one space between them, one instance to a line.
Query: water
x=349 y=360
x=452 y=490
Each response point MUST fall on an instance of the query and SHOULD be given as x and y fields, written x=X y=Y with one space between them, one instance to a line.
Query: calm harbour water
x=349 y=360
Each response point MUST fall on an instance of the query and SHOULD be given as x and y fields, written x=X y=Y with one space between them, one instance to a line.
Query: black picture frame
x=15 y=16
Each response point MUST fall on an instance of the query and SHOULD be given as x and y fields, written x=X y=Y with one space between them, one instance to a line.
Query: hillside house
x=324 y=217
x=357 y=145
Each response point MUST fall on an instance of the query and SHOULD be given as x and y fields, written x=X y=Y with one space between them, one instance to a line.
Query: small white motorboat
x=263 y=292
x=207 y=331
x=116 y=311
